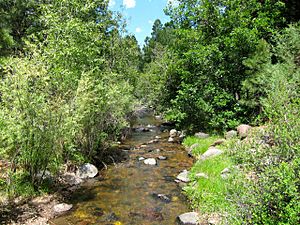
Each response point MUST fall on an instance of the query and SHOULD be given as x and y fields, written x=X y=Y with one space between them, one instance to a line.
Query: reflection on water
x=127 y=193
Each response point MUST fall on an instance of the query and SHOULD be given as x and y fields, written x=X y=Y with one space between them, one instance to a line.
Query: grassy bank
x=207 y=189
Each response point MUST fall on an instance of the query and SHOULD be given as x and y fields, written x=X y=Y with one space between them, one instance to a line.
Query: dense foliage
x=69 y=90
x=204 y=80
x=272 y=195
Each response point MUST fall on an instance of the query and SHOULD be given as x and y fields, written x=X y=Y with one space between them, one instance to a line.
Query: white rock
x=62 y=207
x=183 y=176
x=226 y=170
x=141 y=158
x=87 y=170
x=162 y=157
x=150 y=161
x=190 y=218
x=173 y=133
x=153 y=141
x=211 y=152
x=171 y=140
x=225 y=173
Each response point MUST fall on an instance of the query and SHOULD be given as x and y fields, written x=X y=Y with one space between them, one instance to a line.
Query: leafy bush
x=31 y=121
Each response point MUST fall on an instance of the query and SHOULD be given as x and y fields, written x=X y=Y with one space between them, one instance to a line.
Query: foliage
x=155 y=62
x=31 y=130
x=68 y=96
x=211 y=39
x=19 y=18
x=271 y=158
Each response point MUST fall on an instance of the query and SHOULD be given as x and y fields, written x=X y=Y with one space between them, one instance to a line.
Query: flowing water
x=128 y=193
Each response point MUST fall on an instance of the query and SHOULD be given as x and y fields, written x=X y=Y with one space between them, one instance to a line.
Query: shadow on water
x=131 y=192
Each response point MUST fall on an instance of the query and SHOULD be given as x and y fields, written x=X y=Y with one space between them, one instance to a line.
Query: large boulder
x=231 y=134
x=243 y=130
x=87 y=170
x=211 y=152
x=201 y=135
x=190 y=218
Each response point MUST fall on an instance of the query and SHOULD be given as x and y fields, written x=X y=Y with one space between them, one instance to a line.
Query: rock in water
x=183 y=176
x=190 y=218
x=63 y=207
x=173 y=133
x=87 y=170
x=171 y=140
x=162 y=157
x=150 y=161
x=211 y=152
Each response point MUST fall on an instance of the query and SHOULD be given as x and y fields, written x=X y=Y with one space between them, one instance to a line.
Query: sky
x=140 y=15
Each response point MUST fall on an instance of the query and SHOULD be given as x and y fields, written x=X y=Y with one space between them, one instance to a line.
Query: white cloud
x=150 y=22
x=138 y=30
x=129 y=3
x=111 y=3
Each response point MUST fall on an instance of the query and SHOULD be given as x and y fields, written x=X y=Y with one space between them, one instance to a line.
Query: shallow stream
x=130 y=192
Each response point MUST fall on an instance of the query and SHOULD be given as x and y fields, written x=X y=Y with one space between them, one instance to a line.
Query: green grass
x=203 y=143
x=208 y=195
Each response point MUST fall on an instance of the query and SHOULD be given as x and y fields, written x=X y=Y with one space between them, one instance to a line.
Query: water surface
x=127 y=193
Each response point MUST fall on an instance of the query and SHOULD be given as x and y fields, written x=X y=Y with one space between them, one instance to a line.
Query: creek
x=131 y=192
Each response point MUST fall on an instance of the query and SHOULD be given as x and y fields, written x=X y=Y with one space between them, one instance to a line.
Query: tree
x=213 y=38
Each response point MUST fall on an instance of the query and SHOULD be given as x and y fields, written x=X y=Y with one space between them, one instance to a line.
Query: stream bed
x=131 y=192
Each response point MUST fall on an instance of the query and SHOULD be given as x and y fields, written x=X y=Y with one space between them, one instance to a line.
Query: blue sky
x=141 y=14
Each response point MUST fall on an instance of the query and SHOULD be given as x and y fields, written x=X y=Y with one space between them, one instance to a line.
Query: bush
x=30 y=133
